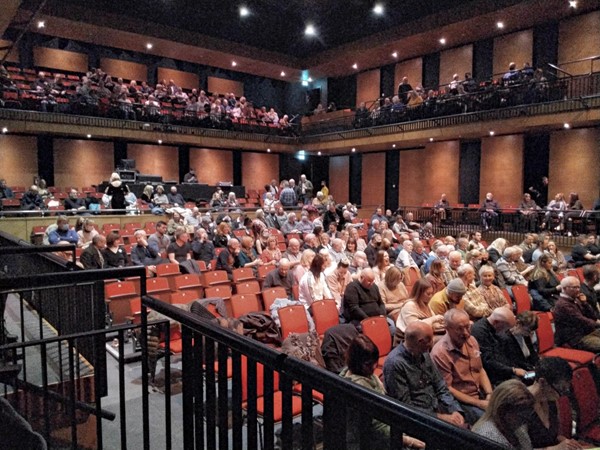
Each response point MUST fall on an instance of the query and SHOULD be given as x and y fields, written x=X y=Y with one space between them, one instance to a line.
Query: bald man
x=362 y=299
x=487 y=332
x=410 y=376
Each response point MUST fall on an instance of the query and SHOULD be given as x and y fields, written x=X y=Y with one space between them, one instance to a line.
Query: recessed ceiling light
x=4 y=130
x=378 y=9
x=149 y=45
x=89 y=136
x=572 y=3
x=310 y=80
x=318 y=153
x=355 y=66
x=443 y=41
x=159 y=141
x=567 y=126
x=393 y=145
x=353 y=149
x=310 y=30
x=41 y=24
x=233 y=64
x=430 y=139
x=395 y=54
x=282 y=73
x=492 y=133
x=244 y=11
x=500 y=25
x=268 y=150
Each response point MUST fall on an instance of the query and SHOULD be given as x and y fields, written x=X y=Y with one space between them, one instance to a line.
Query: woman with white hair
x=117 y=191
x=496 y=249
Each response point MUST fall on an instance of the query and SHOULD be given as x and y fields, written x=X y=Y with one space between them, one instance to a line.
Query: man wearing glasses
x=574 y=319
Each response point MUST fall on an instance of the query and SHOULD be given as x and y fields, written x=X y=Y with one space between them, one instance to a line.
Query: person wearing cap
x=449 y=298
x=457 y=357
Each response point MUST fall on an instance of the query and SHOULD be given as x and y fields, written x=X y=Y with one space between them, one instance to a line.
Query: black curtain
x=392 y=179
x=536 y=162
x=469 y=172
x=355 y=181
x=483 y=59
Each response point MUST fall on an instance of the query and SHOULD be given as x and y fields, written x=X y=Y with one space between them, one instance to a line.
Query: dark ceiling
x=276 y=25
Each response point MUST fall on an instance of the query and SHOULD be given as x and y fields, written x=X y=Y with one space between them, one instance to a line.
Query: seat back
x=544 y=333
x=188 y=282
x=293 y=320
x=263 y=271
x=120 y=289
x=269 y=296
x=215 y=277
x=325 y=314
x=260 y=388
x=376 y=328
x=522 y=298
x=182 y=297
x=167 y=270
x=243 y=304
x=223 y=291
x=248 y=287
x=159 y=287
x=565 y=417
x=508 y=298
x=243 y=274
x=586 y=397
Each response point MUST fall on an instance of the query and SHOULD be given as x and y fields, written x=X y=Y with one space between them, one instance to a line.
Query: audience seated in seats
x=541 y=246
x=496 y=249
x=405 y=259
x=507 y=267
x=505 y=420
x=175 y=221
x=575 y=321
x=475 y=242
x=544 y=285
x=62 y=233
x=114 y=254
x=487 y=331
x=411 y=377
x=449 y=298
x=159 y=240
x=454 y=262
x=393 y=292
x=32 y=200
x=337 y=280
x=86 y=233
x=574 y=210
x=175 y=198
x=247 y=257
x=362 y=299
x=304 y=265
x=228 y=258
x=73 y=203
x=489 y=211
x=382 y=265
x=559 y=262
x=223 y=234
x=457 y=357
x=555 y=213
x=475 y=303
x=416 y=308
x=585 y=251
x=552 y=380
x=92 y=257
x=516 y=346
x=361 y=360
x=202 y=248
x=144 y=254
x=591 y=276
x=528 y=213
x=491 y=293
x=440 y=252
x=271 y=254
x=281 y=276
x=313 y=285
x=434 y=277
x=5 y=191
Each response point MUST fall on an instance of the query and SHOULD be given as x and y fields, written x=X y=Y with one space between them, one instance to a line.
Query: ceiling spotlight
x=4 y=130
x=159 y=141
x=310 y=30
x=443 y=41
x=41 y=24
x=149 y=45
x=318 y=153
x=393 y=145
x=233 y=64
x=566 y=126
x=244 y=12
x=310 y=80
x=573 y=4
x=353 y=149
x=378 y=9
x=89 y=136
x=430 y=139
x=282 y=73
x=500 y=25
x=395 y=54
x=268 y=150
x=491 y=133
x=355 y=66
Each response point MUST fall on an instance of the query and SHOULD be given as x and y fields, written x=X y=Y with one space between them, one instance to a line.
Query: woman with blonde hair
x=222 y=235
x=505 y=419
x=305 y=262
x=393 y=291
x=559 y=263
x=271 y=254
x=417 y=308
x=544 y=285
x=87 y=233
x=491 y=293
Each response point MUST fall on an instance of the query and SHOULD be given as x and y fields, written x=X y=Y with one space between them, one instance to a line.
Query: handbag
x=106 y=199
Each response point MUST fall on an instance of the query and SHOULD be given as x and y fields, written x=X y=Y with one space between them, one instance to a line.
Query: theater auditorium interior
x=200 y=203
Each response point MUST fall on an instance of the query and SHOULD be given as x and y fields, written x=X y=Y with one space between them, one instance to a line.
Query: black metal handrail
x=201 y=398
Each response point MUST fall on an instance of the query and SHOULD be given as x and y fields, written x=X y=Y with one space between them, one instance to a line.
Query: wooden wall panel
x=426 y=174
x=456 y=60
x=373 y=179
x=411 y=68
x=14 y=54
x=60 y=59
x=18 y=156
x=213 y=166
x=367 y=86
x=156 y=160
x=579 y=37
x=502 y=169
x=259 y=169
x=182 y=79
x=514 y=47
x=222 y=86
x=80 y=163
x=575 y=164
x=339 y=176
x=124 y=69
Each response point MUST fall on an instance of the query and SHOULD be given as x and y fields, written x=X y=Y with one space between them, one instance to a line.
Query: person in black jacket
x=32 y=199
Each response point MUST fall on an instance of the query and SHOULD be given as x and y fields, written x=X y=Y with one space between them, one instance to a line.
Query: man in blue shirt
x=63 y=234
